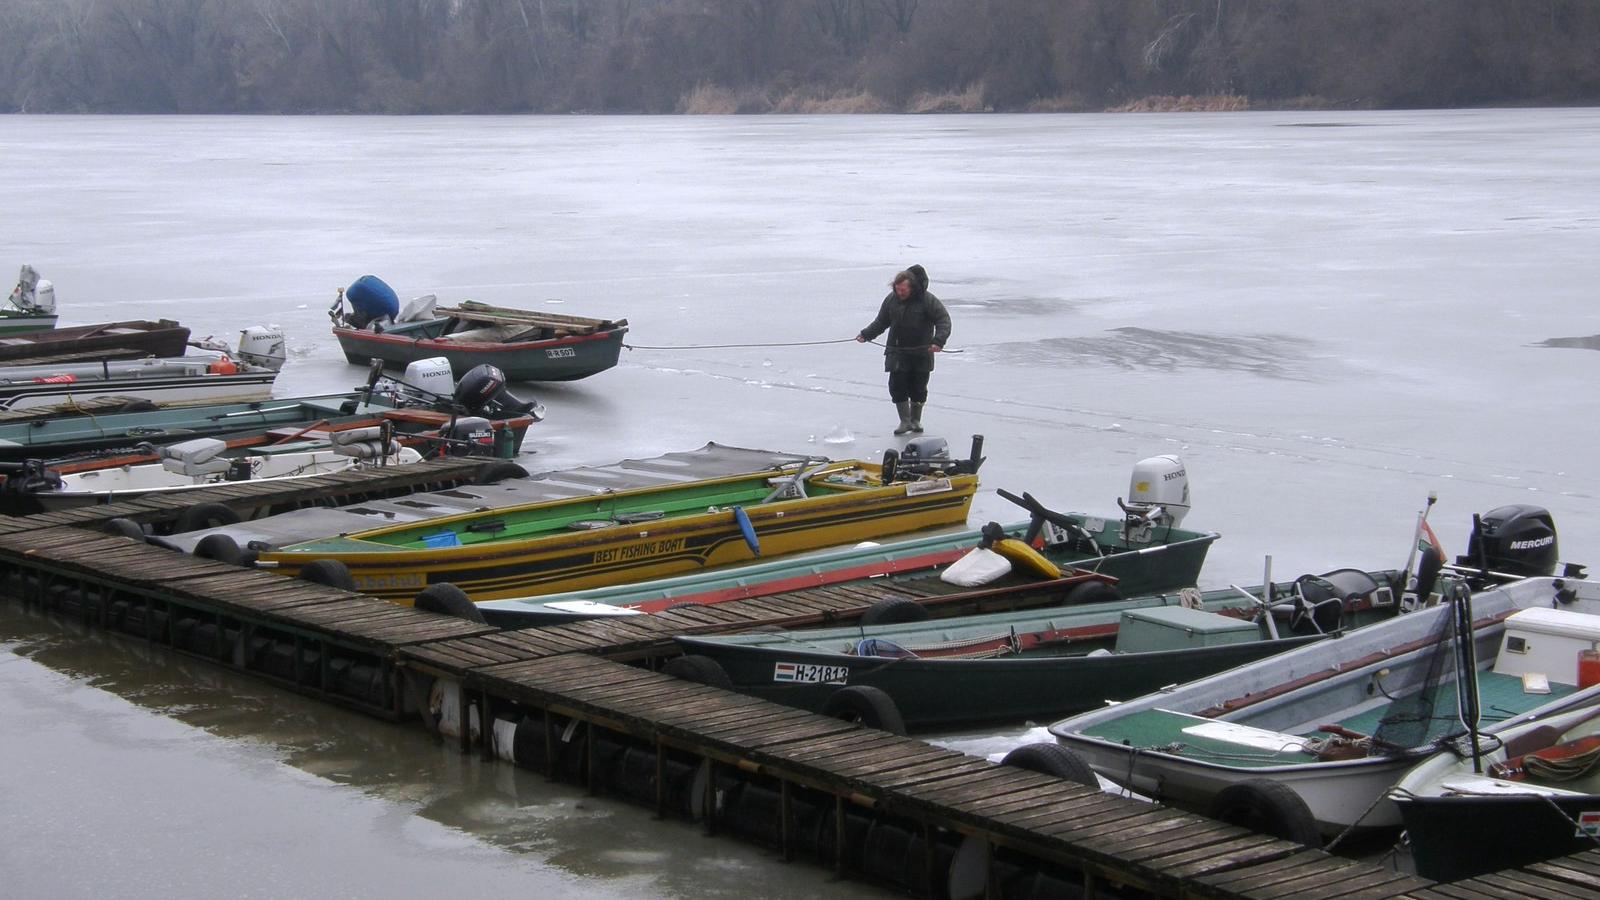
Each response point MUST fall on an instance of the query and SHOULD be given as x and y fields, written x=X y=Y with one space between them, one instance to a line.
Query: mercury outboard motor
x=1518 y=540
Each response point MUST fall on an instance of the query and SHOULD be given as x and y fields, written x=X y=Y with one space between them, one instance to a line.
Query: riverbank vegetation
x=791 y=56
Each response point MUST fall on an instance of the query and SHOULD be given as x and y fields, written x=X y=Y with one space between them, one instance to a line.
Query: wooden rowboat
x=525 y=345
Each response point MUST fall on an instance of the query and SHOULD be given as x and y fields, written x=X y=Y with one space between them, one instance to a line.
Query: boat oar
x=747 y=529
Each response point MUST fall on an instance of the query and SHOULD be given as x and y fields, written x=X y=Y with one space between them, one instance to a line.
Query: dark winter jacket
x=913 y=324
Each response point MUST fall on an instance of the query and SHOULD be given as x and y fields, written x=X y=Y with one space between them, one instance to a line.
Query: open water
x=1326 y=315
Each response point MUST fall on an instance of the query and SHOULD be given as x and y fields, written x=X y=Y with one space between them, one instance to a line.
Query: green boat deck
x=1500 y=697
x=583 y=513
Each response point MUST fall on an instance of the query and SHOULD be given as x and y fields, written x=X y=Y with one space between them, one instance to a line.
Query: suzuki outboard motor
x=474 y=437
x=1518 y=540
x=1158 y=492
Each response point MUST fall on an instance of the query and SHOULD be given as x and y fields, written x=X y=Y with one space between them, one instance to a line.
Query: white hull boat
x=1319 y=734
x=206 y=461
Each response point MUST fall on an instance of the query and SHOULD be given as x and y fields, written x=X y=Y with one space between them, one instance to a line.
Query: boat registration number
x=387 y=582
x=558 y=352
x=928 y=486
x=809 y=673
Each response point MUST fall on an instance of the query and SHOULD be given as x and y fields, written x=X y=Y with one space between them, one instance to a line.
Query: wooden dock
x=573 y=701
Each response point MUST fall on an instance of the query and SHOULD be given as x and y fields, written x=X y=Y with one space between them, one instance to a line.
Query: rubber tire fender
x=1091 y=592
x=698 y=669
x=894 y=611
x=126 y=527
x=1052 y=759
x=496 y=472
x=446 y=599
x=330 y=572
x=1269 y=807
x=868 y=705
x=204 y=515
x=219 y=547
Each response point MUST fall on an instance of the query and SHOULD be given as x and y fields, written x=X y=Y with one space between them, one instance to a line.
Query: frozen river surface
x=1326 y=315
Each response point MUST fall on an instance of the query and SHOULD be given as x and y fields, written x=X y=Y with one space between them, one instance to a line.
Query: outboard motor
x=1518 y=540
x=371 y=300
x=472 y=436
x=482 y=391
x=479 y=387
x=262 y=345
x=32 y=293
x=1158 y=492
x=432 y=376
x=930 y=456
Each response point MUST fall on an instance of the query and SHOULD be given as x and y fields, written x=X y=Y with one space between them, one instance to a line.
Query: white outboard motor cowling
x=262 y=345
x=1159 y=491
x=432 y=375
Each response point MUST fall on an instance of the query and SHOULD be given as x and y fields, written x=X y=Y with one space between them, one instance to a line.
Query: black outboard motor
x=930 y=456
x=469 y=436
x=1518 y=540
x=482 y=392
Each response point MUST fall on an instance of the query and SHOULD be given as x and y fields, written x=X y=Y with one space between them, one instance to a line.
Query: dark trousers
x=911 y=386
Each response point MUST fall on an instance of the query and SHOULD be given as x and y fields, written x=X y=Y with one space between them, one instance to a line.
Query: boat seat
x=201 y=456
x=362 y=443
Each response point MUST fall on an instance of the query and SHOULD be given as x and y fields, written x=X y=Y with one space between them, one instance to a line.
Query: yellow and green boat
x=643 y=533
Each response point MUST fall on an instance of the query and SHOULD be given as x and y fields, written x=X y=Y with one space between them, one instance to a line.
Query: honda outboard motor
x=432 y=375
x=1518 y=540
x=1158 y=492
x=371 y=300
x=262 y=345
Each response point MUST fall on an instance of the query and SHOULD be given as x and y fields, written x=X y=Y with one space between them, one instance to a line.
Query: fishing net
x=1431 y=711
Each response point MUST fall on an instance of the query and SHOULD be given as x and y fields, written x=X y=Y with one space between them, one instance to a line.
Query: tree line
x=725 y=56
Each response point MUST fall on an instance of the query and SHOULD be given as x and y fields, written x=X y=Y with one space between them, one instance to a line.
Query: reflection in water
x=1284 y=357
x=163 y=761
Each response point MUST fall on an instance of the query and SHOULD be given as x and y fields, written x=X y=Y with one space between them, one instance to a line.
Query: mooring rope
x=779 y=344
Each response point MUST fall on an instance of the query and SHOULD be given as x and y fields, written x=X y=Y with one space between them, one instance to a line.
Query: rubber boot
x=904 y=408
x=916 y=417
